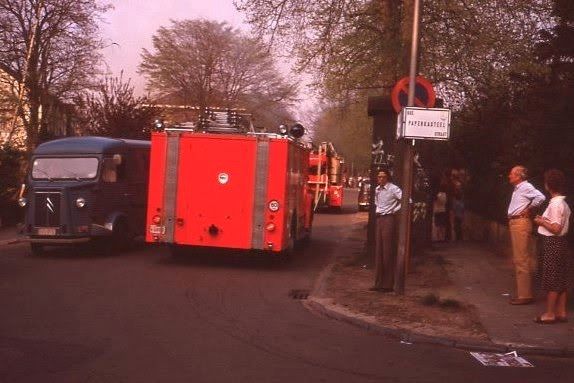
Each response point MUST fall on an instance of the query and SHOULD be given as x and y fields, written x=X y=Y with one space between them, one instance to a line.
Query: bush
x=12 y=170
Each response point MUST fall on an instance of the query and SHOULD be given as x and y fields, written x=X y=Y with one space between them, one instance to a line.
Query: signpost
x=423 y=123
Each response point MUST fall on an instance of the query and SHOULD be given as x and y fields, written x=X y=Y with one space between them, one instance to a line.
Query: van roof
x=89 y=145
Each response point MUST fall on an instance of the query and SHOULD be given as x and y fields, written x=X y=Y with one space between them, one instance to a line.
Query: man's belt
x=511 y=217
x=384 y=215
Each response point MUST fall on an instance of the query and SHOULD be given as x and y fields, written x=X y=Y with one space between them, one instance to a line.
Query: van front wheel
x=36 y=249
x=121 y=236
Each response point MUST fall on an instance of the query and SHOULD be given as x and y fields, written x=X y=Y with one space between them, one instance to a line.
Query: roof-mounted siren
x=158 y=125
x=297 y=130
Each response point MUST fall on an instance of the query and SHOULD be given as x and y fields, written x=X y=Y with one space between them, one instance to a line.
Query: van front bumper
x=57 y=240
x=95 y=231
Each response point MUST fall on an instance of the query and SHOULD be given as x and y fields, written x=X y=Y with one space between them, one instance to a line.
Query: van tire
x=36 y=249
x=122 y=238
x=118 y=241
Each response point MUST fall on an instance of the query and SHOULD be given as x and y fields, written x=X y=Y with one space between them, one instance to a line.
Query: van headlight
x=80 y=202
x=22 y=202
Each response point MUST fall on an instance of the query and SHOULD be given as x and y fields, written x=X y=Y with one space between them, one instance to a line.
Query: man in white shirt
x=388 y=203
x=525 y=199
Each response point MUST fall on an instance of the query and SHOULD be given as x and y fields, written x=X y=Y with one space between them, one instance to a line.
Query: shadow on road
x=301 y=258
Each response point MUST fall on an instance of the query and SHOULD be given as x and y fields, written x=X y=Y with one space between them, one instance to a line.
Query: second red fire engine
x=325 y=177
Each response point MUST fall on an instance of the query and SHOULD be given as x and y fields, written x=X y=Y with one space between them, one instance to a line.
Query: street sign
x=425 y=95
x=424 y=123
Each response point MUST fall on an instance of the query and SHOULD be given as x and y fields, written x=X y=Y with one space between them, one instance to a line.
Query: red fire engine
x=218 y=183
x=325 y=177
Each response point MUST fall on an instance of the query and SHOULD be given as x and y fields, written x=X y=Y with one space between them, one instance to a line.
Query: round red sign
x=425 y=95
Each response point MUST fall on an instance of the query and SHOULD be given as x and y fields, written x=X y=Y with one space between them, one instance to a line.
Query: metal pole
x=404 y=237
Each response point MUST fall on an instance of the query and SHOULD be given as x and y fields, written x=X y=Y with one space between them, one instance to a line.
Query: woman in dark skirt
x=553 y=227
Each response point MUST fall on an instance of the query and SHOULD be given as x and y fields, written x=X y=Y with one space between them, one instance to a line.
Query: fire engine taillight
x=273 y=205
x=156 y=219
x=270 y=226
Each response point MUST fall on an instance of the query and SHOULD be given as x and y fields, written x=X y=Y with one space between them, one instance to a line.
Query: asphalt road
x=144 y=316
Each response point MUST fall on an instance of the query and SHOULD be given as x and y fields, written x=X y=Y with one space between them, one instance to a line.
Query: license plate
x=47 y=231
x=155 y=229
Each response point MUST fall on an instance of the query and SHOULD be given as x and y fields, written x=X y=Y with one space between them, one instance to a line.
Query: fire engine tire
x=36 y=249
x=177 y=251
x=307 y=238
x=293 y=244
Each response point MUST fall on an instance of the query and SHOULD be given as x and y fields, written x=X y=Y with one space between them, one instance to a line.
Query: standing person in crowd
x=440 y=215
x=457 y=212
x=388 y=203
x=553 y=227
x=525 y=199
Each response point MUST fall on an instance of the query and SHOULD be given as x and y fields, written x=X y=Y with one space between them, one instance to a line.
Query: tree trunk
x=33 y=123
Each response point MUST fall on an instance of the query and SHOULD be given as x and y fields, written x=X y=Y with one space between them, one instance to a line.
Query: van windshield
x=65 y=168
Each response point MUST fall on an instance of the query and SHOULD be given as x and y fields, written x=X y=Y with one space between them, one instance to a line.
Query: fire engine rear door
x=215 y=193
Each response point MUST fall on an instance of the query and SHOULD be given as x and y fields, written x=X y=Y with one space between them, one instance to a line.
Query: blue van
x=84 y=188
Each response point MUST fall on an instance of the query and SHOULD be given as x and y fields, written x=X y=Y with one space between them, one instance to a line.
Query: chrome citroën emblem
x=50 y=205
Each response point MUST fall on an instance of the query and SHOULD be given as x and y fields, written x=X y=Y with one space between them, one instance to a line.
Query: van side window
x=112 y=171
x=109 y=171
x=121 y=170
x=140 y=166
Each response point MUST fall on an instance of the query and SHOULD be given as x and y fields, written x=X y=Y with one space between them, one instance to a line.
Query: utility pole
x=404 y=235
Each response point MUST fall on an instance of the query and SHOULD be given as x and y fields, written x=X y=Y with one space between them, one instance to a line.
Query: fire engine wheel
x=291 y=242
x=177 y=251
x=36 y=249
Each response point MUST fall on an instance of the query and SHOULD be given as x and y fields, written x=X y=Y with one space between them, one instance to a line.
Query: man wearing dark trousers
x=388 y=203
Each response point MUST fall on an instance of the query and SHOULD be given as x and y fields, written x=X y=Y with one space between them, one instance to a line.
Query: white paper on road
x=510 y=359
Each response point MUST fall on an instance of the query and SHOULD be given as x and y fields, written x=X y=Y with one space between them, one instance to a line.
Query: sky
x=129 y=27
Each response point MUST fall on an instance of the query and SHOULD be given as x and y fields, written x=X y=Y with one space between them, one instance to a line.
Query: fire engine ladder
x=321 y=187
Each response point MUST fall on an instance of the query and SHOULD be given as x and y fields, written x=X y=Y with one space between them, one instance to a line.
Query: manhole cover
x=299 y=294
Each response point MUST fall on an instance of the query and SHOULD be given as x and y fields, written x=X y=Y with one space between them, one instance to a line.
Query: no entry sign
x=425 y=95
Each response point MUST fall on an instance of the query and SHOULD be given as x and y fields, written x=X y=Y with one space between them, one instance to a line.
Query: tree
x=50 y=49
x=466 y=45
x=113 y=110
x=346 y=44
x=547 y=106
x=206 y=63
x=470 y=47
x=510 y=85
x=525 y=119
x=348 y=128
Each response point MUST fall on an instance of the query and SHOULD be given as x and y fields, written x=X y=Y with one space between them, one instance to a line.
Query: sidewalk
x=8 y=235
x=477 y=284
